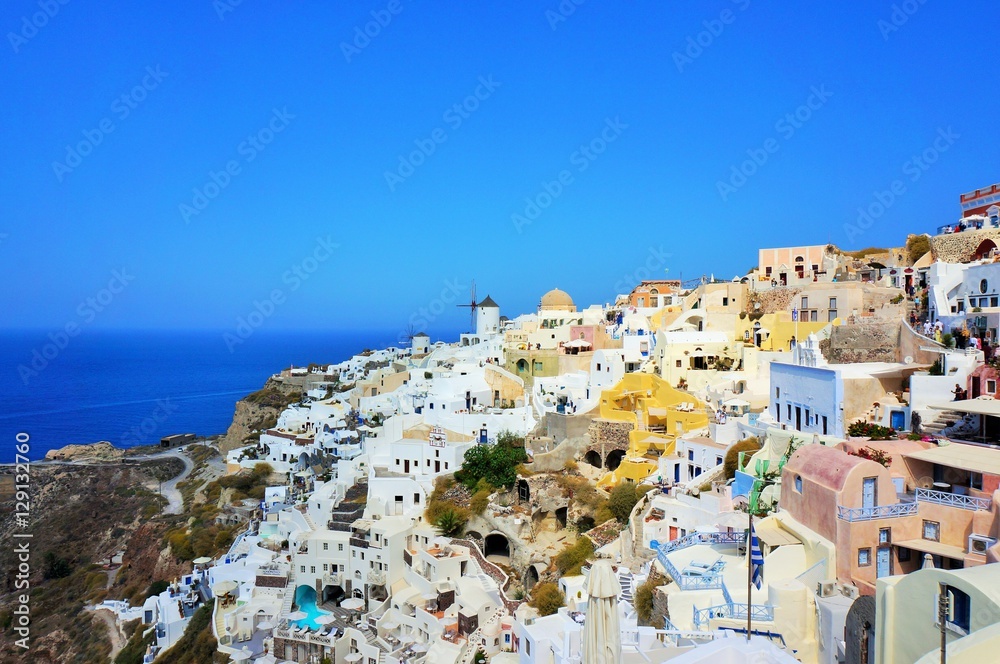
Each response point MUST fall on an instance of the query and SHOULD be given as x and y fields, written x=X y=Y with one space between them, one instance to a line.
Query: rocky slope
x=259 y=411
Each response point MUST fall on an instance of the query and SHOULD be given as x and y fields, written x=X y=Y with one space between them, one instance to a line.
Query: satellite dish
x=908 y=359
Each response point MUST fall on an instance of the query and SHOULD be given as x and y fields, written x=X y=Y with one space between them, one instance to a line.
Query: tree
x=56 y=567
x=748 y=445
x=497 y=463
x=623 y=499
x=546 y=598
x=451 y=522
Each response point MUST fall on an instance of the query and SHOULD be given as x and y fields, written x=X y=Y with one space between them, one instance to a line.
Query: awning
x=976 y=406
x=774 y=535
x=933 y=548
x=964 y=457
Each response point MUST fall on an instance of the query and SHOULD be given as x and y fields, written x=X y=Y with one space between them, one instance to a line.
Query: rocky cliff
x=259 y=411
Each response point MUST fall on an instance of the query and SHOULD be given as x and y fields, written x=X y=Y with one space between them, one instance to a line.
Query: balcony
x=376 y=578
x=874 y=513
x=953 y=500
x=693 y=539
x=733 y=611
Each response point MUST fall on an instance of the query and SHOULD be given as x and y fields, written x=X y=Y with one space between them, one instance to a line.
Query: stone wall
x=866 y=341
x=961 y=247
x=771 y=301
x=556 y=458
x=609 y=433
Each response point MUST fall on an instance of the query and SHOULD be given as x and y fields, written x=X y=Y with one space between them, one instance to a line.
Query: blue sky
x=650 y=204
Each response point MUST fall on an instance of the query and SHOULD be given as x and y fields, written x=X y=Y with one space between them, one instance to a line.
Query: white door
x=868 y=492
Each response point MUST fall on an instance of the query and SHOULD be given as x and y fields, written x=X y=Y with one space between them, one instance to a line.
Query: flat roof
x=972 y=406
x=959 y=455
x=774 y=535
x=933 y=548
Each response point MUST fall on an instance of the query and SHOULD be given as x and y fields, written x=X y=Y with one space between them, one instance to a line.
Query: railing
x=700 y=538
x=879 y=512
x=953 y=499
x=710 y=580
x=733 y=611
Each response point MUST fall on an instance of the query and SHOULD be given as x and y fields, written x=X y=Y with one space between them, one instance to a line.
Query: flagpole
x=749 y=567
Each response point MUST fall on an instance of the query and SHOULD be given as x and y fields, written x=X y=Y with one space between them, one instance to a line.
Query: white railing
x=953 y=499
x=879 y=512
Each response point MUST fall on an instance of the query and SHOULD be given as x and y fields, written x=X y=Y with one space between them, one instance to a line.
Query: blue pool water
x=305 y=599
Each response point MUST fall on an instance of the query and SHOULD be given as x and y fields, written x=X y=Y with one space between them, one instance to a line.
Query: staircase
x=286 y=605
x=625 y=579
x=941 y=421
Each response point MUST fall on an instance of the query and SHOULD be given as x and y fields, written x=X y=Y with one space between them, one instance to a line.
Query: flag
x=756 y=559
x=795 y=315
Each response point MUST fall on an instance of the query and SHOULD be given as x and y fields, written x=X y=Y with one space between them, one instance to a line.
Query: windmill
x=472 y=308
x=406 y=336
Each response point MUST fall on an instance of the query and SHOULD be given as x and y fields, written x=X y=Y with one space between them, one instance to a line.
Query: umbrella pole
x=749 y=572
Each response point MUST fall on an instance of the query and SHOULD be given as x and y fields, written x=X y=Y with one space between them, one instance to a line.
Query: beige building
x=907 y=627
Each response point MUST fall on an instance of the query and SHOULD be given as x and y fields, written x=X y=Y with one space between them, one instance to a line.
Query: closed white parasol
x=602 y=640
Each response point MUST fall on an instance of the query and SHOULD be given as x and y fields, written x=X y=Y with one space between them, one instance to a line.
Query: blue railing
x=872 y=513
x=953 y=499
x=698 y=538
x=709 y=579
x=732 y=611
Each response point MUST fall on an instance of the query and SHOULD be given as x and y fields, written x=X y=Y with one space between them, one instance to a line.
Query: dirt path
x=117 y=640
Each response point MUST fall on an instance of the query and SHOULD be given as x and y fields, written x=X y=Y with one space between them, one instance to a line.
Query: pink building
x=883 y=524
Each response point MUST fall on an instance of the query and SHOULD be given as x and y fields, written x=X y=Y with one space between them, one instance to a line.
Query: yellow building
x=657 y=413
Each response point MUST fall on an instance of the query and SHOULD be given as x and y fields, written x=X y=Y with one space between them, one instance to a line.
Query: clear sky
x=116 y=116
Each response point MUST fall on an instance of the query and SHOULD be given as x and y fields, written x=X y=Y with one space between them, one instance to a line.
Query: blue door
x=882 y=563
x=868 y=492
x=897 y=420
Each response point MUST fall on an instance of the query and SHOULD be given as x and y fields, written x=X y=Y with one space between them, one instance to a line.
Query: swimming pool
x=305 y=599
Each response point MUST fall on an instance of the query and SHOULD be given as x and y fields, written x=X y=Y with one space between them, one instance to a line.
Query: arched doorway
x=523 y=490
x=475 y=536
x=522 y=366
x=496 y=548
x=562 y=513
x=593 y=458
x=984 y=249
x=530 y=578
x=614 y=459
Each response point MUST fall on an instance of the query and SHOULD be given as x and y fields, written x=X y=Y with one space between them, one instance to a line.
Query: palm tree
x=450 y=523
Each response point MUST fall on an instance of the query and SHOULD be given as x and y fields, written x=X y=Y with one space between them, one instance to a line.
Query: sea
x=134 y=387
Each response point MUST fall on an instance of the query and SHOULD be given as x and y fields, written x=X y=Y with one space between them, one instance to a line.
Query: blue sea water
x=132 y=388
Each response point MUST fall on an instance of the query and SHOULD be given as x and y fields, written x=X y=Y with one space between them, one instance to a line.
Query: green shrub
x=546 y=598
x=748 y=445
x=480 y=501
x=623 y=499
x=573 y=557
